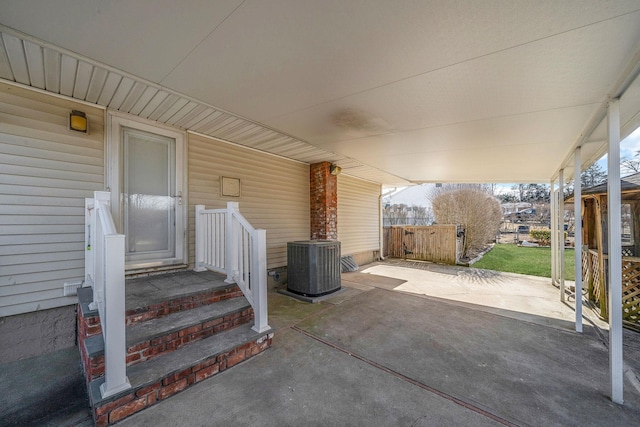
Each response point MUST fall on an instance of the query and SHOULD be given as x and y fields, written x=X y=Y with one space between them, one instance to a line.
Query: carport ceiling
x=437 y=91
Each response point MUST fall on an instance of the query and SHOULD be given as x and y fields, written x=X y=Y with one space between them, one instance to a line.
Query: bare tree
x=401 y=214
x=422 y=215
x=629 y=166
x=434 y=192
x=395 y=214
x=473 y=208
x=520 y=189
x=536 y=193
x=593 y=175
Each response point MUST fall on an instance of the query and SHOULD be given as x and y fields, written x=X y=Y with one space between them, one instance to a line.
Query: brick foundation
x=147 y=395
x=323 y=190
x=185 y=303
x=149 y=349
x=196 y=345
x=89 y=326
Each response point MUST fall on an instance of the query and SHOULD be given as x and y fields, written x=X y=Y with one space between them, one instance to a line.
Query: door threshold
x=152 y=271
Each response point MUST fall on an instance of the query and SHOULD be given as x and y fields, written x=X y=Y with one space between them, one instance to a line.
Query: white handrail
x=227 y=243
x=104 y=265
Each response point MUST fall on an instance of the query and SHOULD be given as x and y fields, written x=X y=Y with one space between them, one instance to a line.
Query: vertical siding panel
x=109 y=88
x=121 y=93
x=15 y=52
x=98 y=80
x=46 y=171
x=83 y=78
x=35 y=63
x=358 y=215
x=5 y=68
x=144 y=99
x=168 y=108
x=69 y=68
x=132 y=97
x=51 y=70
x=274 y=191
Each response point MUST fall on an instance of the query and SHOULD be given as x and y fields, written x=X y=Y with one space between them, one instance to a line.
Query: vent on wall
x=71 y=289
x=348 y=264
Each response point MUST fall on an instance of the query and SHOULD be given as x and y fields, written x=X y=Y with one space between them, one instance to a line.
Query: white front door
x=146 y=168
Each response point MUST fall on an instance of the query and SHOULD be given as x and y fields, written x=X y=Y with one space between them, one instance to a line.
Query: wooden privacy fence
x=436 y=243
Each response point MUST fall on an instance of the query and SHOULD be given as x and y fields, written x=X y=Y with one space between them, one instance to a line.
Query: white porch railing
x=104 y=269
x=227 y=243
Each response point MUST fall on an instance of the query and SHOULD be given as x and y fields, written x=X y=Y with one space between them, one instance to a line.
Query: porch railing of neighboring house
x=631 y=290
x=227 y=243
x=593 y=275
x=593 y=278
x=104 y=269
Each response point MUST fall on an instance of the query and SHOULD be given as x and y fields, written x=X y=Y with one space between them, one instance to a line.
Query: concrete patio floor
x=408 y=346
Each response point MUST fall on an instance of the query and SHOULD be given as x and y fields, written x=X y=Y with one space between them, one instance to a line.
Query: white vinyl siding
x=46 y=171
x=358 y=215
x=274 y=191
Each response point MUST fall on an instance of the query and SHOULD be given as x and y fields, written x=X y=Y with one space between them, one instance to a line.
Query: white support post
x=615 y=253
x=577 y=208
x=231 y=246
x=554 y=234
x=115 y=341
x=99 y=198
x=200 y=239
x=259 y=273
x=561 y=230
x=89 y=237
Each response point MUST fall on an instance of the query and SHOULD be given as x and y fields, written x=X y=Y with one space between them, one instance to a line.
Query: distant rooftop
x=415 y=195
x=628 y=183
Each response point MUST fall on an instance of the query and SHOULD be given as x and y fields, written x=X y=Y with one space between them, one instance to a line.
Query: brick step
x=150 y=339
x=170 y=373
x=147 y=308
x=158 y=296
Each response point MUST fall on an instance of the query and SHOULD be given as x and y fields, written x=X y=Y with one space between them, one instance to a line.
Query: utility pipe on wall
x=381 y=222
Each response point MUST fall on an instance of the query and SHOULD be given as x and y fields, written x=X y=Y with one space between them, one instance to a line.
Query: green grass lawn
x=523 y=260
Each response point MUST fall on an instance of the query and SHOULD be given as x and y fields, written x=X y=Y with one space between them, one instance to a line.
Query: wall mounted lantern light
x=78 y=121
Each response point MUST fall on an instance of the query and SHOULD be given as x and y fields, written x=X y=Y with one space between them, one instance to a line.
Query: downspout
x=381 y=221
x=380 y=227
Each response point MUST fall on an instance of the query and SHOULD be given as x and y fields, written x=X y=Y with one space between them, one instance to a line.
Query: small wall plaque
x=230 y=187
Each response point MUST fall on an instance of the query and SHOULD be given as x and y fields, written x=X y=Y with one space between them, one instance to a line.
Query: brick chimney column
x=323 y=202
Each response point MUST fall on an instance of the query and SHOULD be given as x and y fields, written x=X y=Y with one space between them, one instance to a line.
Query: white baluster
x=201 y=239
x=231 y=243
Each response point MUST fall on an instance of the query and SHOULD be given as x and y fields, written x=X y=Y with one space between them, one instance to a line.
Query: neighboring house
x=415 y=195
x=408 y=205
x=514 y=207
x=47 y=170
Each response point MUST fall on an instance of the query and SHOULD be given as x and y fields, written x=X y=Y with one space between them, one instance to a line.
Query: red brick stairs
x=182 y=328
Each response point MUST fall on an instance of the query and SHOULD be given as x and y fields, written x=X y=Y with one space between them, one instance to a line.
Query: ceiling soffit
x=31 y=62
